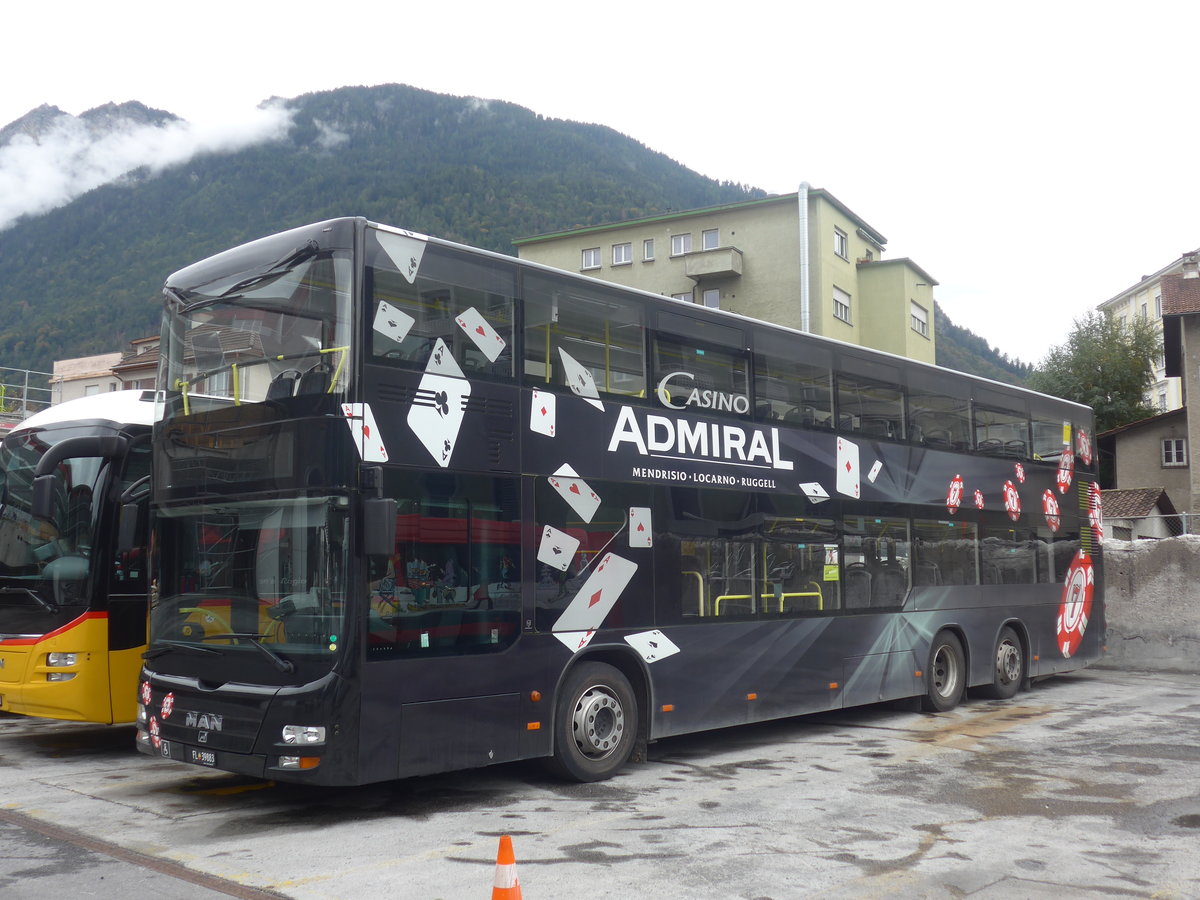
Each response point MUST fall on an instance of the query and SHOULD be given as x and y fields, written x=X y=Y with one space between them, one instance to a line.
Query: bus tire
x=945 y=675
x=595 y=723
x=1008 y=672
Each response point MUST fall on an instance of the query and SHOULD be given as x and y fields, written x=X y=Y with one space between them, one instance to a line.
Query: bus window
x=1001 y=433
x=1008 y=554
x=791 y=391
x=583 y=337
x=876 y=561
x=462 y=301
x=939 y=421
x=452 y=586
x=944 y=553
x=700 y=377
x=870 y=408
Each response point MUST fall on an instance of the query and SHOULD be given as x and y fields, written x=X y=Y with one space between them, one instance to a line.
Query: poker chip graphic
x=155 y=733
x=1019 y=471
x=145 y=693
x=1076 y=606
x=1083 y=447
x=1095 y=510
x=954 y=495
x=979 y=499
x=1050 y=508
x=168 y=705
x=1066 y=470
x=1012 y=501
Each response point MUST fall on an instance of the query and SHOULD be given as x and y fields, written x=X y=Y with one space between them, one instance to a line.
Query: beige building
x=84 y=376
x=803 y=260
x=1144 y=301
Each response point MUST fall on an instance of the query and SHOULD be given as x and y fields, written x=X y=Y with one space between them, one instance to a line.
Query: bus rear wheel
x=1009 y=666
x=595 y=723
x=945 y=675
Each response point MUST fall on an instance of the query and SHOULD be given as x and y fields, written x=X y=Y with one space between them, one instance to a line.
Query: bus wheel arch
x=1009 y=663
x=945 y=671
x=599 y=717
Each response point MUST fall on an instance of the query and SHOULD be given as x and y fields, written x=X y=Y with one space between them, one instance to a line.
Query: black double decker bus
x=419 y=507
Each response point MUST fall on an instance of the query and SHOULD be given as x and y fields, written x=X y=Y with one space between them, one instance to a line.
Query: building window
x=90 y=390
x=591 y=258
x=919 y=318
x=1174 y=452
x=648 y=249
x=686 y=298
x=841 y=305
x=1162 y=400
x=710 y=239
x=622 y=254
x=681 y=244
x=1158 y=306
x=841 y=246
x=712 y=299
x=1145 y=315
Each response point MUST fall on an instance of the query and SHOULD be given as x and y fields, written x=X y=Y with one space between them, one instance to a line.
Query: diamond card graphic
x=557 y=548
x=580 y=380
x=392 y=322
x=598 y=595
x=366 y=435
x=652 y=645
x=576 y=492
x=438 y=408
x=847 y=468
x=479 y=330
x=543 y=413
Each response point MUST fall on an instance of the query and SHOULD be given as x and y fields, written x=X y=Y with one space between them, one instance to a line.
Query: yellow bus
x=74 y=484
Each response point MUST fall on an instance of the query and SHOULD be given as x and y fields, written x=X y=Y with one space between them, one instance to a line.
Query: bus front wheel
x=945 y=675
x=1008 y=666
x=595 y=723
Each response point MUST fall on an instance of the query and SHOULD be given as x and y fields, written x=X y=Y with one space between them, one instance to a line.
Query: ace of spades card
x=557 y=548
x=580 y=380
x=392 y=322
x=437 y=412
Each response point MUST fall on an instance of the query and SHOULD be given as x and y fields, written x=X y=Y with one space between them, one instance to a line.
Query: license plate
x=202 y=757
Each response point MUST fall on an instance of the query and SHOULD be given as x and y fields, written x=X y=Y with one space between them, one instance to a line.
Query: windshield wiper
x=277 y=270
x=283 y=665
x=168 y=646
x=37 y=598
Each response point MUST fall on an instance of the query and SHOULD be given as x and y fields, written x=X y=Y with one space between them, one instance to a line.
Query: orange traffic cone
x=506 y=886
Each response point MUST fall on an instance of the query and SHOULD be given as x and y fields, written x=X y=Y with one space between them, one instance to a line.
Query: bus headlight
x=60 y=676
x=299 y=762
x=61 y=660
x=304 y=734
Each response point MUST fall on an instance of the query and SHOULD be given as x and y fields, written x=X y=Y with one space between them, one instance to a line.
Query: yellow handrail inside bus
x=237 y=393
x=341 y=363
x=700 y=587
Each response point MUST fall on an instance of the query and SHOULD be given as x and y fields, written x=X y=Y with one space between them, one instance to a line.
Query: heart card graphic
x=485 y=337
x=366 y=434
x=576 y=492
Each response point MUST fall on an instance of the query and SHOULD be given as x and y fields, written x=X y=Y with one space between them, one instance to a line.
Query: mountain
x=962 y=349
x=84 y=277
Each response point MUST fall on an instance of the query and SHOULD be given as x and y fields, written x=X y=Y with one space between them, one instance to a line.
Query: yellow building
x=803 y=260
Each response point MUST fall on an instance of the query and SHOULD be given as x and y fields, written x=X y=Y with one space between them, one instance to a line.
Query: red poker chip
x=954 y=494
x=1012 y=501
x=979 y=499
x=1083 y=446
x=155 y=733
x=1019 y=471
x=1066 y=470
x=1050 y=508
x=168 y=705
x=1095 y=510
x=1076 y=607
x=145 y=693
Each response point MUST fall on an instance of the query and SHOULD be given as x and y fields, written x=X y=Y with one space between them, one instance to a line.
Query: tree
x=1105 y=364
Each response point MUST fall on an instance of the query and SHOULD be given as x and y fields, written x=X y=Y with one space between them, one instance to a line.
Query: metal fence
x=22 y=393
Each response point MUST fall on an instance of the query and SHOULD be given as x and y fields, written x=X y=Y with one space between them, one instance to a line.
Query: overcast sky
x=1035 y=158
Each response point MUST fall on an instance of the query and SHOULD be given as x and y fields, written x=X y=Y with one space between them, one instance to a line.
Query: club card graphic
x=392 y=322
x=580 y=380
x=874 y=473
x=814 y=492
x=641 y=529
x=576 y=492
x=486 y=338
x=437 y=411
x=652 y=645
x=404 y=250
x=847 y=468
x=575 y=640
x=557 y=548
x=543 y=413
x=598 y=595
x=366 y=435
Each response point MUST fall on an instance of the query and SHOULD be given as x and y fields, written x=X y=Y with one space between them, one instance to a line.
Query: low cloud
x=70 y=159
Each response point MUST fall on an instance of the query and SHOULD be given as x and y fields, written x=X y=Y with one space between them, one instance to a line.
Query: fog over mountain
x=49 y=157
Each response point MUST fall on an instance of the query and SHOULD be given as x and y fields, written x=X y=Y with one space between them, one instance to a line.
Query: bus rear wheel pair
x=945 y=674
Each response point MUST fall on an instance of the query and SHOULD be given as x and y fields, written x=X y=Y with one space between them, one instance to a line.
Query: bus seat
x=858 y=586
x=282 y=385
x=314 y=381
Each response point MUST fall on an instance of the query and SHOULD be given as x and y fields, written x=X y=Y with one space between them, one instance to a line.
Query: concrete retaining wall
x=1152 y=593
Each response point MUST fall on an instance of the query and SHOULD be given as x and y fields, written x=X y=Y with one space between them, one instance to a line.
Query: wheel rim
x=945 y=672
x=1008 y=662
x=598 y=722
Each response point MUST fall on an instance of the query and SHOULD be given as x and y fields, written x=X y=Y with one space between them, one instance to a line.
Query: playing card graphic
x=580 y=380
x=557 y=548
x=652 y=645
x=542 y=413
x=575 y=640
x=366 y=435
x=874 y=473
x=438 y=408
x=847 y=468
x=392 y=322
x=641 y=530
x=405 y=252
x=486 y=338
x=598 y=595
x=814 y=492
x=575 y=491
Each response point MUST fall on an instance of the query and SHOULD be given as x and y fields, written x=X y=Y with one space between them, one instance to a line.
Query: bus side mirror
x=43 y=497
x=379 y=526
x=128 y=531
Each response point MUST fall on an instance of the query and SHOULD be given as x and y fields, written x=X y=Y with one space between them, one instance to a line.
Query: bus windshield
x=261 y=580
x=45 y=563
x=266 y=329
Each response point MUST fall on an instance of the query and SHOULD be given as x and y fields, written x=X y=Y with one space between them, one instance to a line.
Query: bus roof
x=121 y=407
